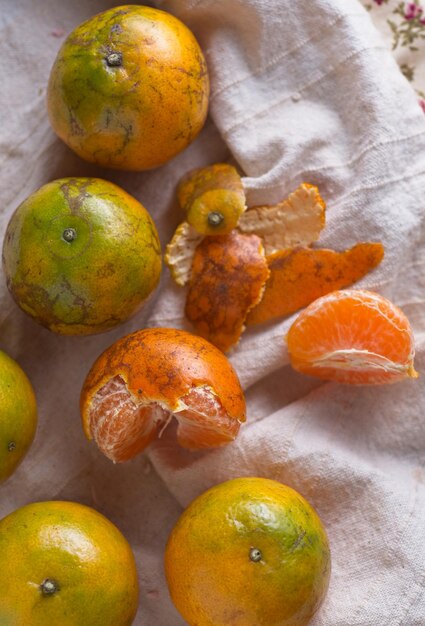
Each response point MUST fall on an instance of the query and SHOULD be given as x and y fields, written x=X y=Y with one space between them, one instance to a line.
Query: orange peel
x=144 y=379
x=296 y=221
x=179 y=252
x=298 y=276
x=229 y=273
x=213 y=198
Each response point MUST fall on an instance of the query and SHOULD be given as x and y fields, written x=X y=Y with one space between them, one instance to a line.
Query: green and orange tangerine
x=129 y=88
x=248 y=552
x=18 y=415
x=81 y=255
x=213 y=198
x=63 y=563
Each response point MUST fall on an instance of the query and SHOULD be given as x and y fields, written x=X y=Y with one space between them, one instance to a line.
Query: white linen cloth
x=301 y=91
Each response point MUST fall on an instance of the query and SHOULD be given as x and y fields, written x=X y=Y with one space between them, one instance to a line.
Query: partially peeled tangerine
x=144 y=380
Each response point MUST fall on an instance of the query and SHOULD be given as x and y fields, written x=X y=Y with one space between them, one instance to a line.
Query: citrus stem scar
x=48 y=587
x=11 y=446
x=114 y=59
x=255 y=555
x=69 y=234
x=215 y=218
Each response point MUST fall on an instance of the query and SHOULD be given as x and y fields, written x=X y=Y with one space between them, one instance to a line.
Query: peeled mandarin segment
x=138 y=384
x=228 y=277
x=353 y=336
x=296 y=221
x=301 y=275
x=179 y=252
x=213 y=198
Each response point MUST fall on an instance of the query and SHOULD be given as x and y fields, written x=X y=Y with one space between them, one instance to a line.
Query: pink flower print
x=422 y=104
x=412 y=11
x=379 y=2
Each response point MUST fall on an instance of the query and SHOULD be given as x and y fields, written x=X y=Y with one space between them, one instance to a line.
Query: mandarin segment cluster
x=129 y=90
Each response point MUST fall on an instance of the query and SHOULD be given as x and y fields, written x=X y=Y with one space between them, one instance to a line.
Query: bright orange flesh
x=298 y=276
x=137 y=385
x=353 y=336
x=228 y=277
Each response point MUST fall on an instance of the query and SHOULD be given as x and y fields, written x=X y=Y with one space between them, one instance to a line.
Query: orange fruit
x=248 y=552
x=142 y=380
x=213 y=198
x=18 y=415
x=65 y=564
x=129 y=88
x=353 y=336
x=81 y=256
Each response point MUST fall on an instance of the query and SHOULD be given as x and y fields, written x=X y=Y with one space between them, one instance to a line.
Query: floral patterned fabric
x=403 y=25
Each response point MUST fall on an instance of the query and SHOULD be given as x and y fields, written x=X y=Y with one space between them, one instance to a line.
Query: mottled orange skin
x=98 y=280
x=298 y=276
x=81 y=551
x=163 y=365
x=228 y=277
x=211 y=577
x=216 y=188
x=18 y=415
x=355 y=337
x=138 y=114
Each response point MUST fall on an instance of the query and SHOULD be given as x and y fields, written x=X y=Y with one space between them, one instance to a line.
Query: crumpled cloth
x=301 y=91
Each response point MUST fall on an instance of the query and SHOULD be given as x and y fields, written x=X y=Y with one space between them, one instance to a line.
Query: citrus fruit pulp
x=18 y=415
x=81 y=255
x=65 y=564
x=142 y=380
x=354 y=336
x=248 y=552
x=129 y=88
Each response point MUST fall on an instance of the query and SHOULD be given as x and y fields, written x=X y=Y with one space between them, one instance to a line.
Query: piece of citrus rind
x=298 y=276
x=179 y=252
x=229 y=275
x=296 y=221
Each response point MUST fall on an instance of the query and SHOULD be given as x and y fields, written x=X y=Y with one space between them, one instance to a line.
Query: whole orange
x=18 y=415
x=64 y=564
x=248 y=552
x=129 y=88
x=81 y=255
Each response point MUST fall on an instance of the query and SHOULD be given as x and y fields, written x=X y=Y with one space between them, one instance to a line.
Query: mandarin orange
x=18 y=415
x=65 y=564
x=129 y=88
x=81 y=255
x=136 y=386
x=248 y=552
x=354 y=336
